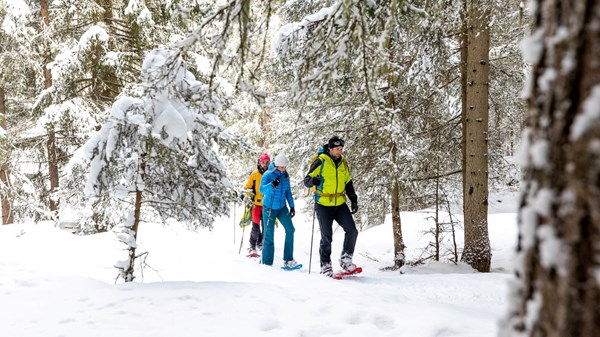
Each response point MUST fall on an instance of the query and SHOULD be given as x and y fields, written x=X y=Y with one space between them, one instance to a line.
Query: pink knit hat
x=264 y=157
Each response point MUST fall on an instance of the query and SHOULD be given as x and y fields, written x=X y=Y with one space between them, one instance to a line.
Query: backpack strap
x=314 y=188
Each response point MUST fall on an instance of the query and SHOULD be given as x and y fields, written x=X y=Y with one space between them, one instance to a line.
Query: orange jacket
x=253 y=183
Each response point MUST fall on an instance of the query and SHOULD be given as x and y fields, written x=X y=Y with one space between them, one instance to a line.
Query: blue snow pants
x=269 y=216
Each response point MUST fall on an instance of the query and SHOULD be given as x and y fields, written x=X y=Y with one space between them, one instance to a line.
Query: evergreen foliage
x=284 y=75
x=162 y=144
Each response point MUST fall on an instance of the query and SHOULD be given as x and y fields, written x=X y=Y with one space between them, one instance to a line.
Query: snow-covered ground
x=53 y=283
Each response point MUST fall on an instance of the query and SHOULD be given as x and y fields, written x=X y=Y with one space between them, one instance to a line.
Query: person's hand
x=316 y=181
x=275 y=182
x=354 y=207
x=292 y=212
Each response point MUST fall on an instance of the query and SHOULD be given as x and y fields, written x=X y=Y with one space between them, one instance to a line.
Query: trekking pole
x=312 y=238
x=242 y=240
x=234 y=222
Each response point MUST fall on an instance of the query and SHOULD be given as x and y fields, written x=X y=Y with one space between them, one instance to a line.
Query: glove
x=292 y=212
x=353 y=207
x=275 y=182
x=316 y=181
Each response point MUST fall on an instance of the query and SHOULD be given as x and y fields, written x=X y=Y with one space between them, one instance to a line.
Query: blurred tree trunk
x=5 y=197
x=557 y=291
x=51 y=142
x=477 y=252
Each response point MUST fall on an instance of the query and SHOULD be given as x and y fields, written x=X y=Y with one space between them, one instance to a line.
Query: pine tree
x=156 y=152
x=477 y=250
x=387 y=127
x=17 y=80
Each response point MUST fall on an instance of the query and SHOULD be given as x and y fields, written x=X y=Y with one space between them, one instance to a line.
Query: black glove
x=292 y=212
x=316 y=181
x=275 y=182
x=353 y=207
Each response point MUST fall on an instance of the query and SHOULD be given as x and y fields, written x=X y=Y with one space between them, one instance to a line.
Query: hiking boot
x=251 y=250
x=259 y=248
x=346 y=263
x=290 y=264
x=326 y=270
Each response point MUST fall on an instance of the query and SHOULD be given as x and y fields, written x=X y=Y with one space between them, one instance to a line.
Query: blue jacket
x=276 y=198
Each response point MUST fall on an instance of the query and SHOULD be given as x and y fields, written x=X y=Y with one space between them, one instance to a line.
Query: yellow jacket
x=334 y=180
x=253 y=183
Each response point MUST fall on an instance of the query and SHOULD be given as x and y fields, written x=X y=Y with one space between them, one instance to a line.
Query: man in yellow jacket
x=253 y=184
x=329 y=177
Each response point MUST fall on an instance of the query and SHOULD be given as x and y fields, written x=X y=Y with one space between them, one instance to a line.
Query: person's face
x=336 y=152
x=264 y=164
x=280 y=168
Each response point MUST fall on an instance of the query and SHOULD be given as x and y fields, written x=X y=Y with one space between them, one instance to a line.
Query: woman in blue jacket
x=276 y=188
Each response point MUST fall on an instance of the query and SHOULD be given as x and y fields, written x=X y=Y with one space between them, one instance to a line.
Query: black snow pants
x=341 y=214
x=256 y=236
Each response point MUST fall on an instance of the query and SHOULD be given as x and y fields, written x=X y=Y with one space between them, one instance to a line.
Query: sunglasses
x=336 y=143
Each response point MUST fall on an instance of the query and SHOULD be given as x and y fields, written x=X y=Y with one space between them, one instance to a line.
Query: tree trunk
x=557 y=291
x=437 y=216
x=399 y=257
x=128 y=273
x=51 y=142
x=463 y=85
x=5 y=198
x=477 y=251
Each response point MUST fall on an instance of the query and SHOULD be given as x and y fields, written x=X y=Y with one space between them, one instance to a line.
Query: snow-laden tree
x=557 y=287
x=84 y=54
x=98 y=51
x=365 y=71
x=385 y=76
x=157 y=152
x=21 y=146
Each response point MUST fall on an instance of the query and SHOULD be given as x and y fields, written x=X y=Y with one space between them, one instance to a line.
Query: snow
x=286 y=30
x=54 y=283
x=93 y=34
x=589 y=116
x=16 y=14
x=539 y=152
x=532 y=46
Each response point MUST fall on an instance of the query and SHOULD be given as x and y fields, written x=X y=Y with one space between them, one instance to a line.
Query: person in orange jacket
x=253 y=184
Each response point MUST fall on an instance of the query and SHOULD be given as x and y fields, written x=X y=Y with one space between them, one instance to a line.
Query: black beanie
x=335 y=141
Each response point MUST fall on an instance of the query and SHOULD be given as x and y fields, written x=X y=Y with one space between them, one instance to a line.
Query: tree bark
x=477 y=251
x=129 y=272
x=51 y=142
x=5 y=198
x=557 y=291
x=399 y=257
